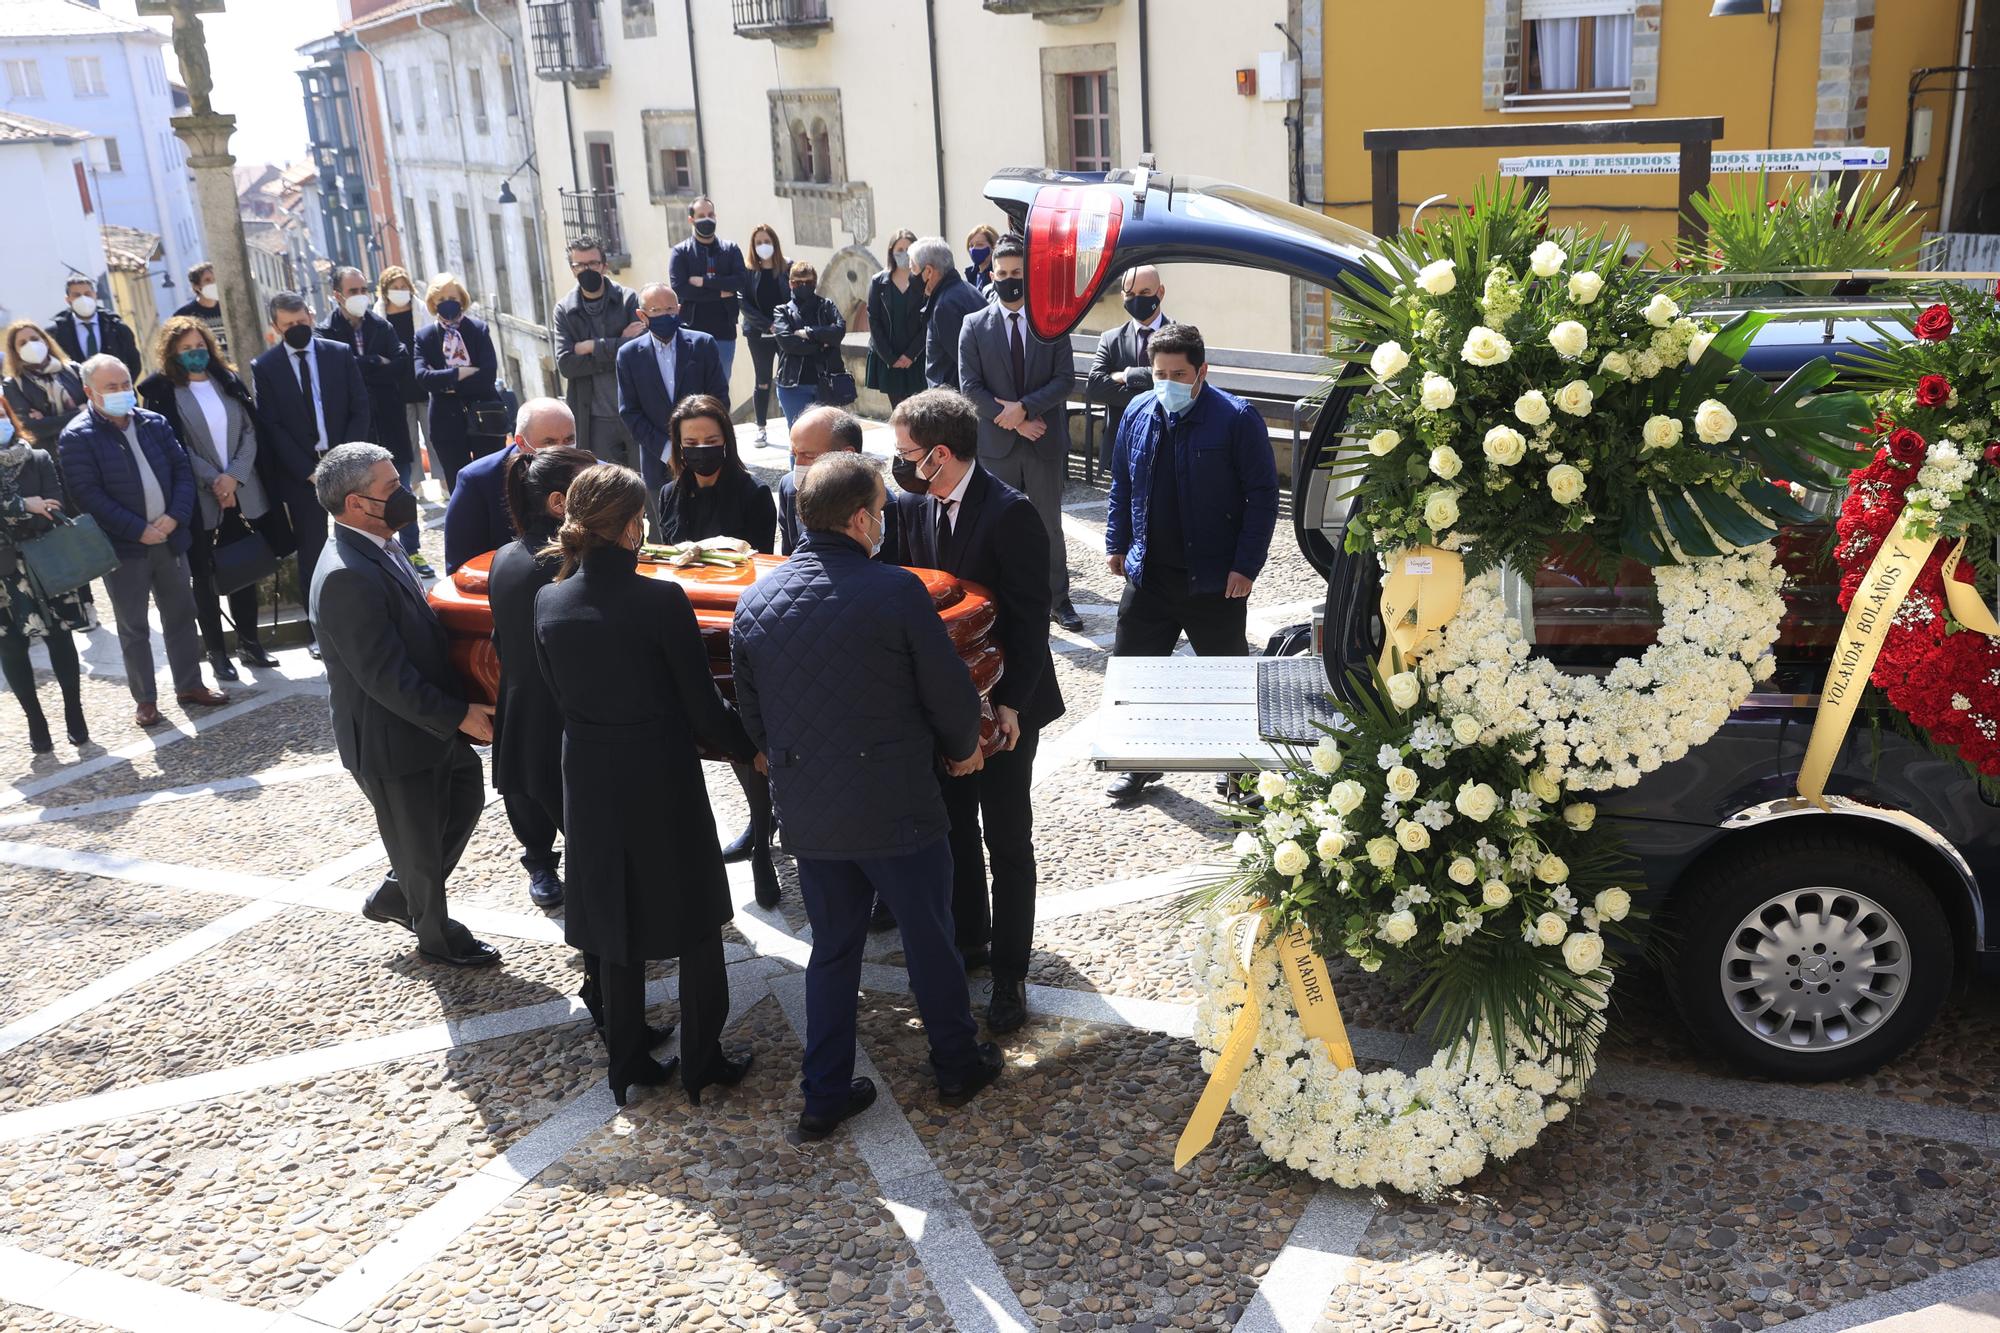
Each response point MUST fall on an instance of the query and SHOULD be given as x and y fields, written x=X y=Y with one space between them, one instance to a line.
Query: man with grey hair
x=125 y=468
x=656 y=372
x=400 y=718
x=382 y=358
x=949 y=299
x=475 y=518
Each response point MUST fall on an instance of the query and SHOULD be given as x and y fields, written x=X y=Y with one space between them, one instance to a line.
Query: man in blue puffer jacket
x=850 y=686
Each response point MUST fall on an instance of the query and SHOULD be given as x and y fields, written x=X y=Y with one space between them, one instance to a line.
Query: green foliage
x=1805 y=230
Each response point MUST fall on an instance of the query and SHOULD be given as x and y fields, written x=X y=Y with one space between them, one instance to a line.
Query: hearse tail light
x=1072 y=232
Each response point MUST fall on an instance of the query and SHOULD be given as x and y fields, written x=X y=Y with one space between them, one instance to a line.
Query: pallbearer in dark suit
x=398 y=718
x=624 y=659
x=959 y=518
x=1123 y=366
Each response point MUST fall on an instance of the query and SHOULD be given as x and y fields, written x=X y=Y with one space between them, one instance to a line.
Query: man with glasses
x=593 y=321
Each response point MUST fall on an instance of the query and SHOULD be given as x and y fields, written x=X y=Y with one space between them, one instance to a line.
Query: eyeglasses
x=579 y=265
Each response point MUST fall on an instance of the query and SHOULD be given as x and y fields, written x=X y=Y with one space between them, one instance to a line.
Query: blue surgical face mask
x=120 y=404
x=1175 y=396
x=663 y=326
x=881 y=534
x=6 y=431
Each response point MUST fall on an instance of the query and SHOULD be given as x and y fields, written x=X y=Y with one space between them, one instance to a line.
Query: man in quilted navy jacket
x=850 y=686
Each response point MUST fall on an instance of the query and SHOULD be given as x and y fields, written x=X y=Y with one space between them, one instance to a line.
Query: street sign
x=1840 y=158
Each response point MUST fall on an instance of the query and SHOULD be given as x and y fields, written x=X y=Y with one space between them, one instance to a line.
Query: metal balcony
x=785 y=22
x=1051 y=11
x=568 y=41
x=594 y=213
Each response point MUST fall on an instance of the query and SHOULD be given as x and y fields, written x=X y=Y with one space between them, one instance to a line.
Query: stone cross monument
x=206 y=133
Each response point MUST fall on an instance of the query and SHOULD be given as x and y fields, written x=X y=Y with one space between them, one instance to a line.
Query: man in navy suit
x=475 y=518
x=310 y=398
x=657 y=371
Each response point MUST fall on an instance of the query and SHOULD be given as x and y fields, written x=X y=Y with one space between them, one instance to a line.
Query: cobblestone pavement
x=229 y=1103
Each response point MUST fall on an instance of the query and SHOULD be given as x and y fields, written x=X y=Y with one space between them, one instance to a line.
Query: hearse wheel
x=1812 y=956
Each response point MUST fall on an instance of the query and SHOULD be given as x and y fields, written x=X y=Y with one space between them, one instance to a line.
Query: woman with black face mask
x=714 y=495
x=808 y=329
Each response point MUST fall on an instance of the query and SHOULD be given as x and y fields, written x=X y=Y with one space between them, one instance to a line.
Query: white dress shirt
x=957 y=497
x=663 y=355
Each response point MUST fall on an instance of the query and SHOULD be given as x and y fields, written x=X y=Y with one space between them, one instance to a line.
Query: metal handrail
x=1846 y=275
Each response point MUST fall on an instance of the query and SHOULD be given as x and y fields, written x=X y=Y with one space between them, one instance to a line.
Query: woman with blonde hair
x=458 y=367
x=760 y=298
x=979 y=243
x=808 y=329
x=896 y=324
x=214 y=418
x=624 y=658
x=39 y=382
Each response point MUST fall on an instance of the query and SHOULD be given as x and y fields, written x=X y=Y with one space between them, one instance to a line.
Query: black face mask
x=907 y=477
x=703 y=460
x=299 y=337
x=704 y=227
x=802 y=292
x=399 y=510
x=1142 y=308
x=591 y=281
x=1009 y=289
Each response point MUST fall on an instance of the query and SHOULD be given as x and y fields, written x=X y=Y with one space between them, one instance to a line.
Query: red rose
x=1934 y=325
x=1906 y=446
x=1934 y=390
x=1993 y=453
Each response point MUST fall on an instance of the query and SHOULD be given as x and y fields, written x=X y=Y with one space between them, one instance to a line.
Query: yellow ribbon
x=1420 y=595
x=1319 y=1014
x=1963 y=598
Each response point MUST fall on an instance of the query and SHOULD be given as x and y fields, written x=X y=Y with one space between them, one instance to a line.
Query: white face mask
x=34 y=351
x=765 y=249
x=85 y=306
x=799 y=471
x=211 y=291
x=356 y=305
x=399 y=296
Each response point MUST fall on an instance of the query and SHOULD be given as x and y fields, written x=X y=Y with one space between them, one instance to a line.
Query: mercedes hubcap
x=1813 y=969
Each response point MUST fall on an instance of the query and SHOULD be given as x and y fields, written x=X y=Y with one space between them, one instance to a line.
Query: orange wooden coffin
x=965 y=608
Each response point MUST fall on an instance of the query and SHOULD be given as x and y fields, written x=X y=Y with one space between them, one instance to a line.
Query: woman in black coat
x=458 y=367
x=896 y=325
x=623 y=657
x=714 y=495
x=764 y=290
x=808 y=329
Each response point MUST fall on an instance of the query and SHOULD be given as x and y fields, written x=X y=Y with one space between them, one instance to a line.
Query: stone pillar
x=211 y=163
x=1846 y=42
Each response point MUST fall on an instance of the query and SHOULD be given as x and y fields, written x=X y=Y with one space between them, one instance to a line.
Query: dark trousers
x=20 y=670
x=995 y=801
x=763 y=355
x=308 y=520
x=615 y=993
x=158 y=577
x=1153 y=615
x=425 y=819
x=535 y=827
x=208 y=603
x=452 y=445
x=839 y=896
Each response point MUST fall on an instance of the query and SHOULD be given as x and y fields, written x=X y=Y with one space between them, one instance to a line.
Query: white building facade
x=451 y=79
x=52 y=226
x=67 y=62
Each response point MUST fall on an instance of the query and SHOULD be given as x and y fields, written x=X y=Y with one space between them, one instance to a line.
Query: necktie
x=394 y=554
x=1020 y=352
x=1145 y=337
x=357 y=338
x=90 y=331
x=943 y=528
x=306 y=387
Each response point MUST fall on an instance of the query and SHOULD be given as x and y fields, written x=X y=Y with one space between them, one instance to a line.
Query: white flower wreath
x=1719 y=619
x=1419 y=1132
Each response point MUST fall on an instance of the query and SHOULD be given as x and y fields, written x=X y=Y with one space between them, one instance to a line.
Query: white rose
x=1288 y=858
x=1382 y=852
x=1565 y=484
x=1699 y=344
x=1714 y=422
x=1616 y=363
x=1383 y=442
x=1547 y=260
x=1271 y=786
x=1551 y=869
x=1575 y=398
x=1412 y=836
x=1661 y=311
x=1505 y=445
x=1583 y=951
x=1438 y=277
x=1332 y=842
x=1399 y=927
x=1550 y=928
x=1584 y=287
x=1403 y=782
x=1580 y=816
x=1445 y=462
x=1484 y=347
x=1662 y=432
x=1441 y=510
x=1325 y=759
x=1346 y=796
x=1544 y=785
x=1532 y=408
x=1477 y=801
x=1389 y=360
x=1463 y=871
x=1404 y=692
x=1438 y=393
x=1495 y=894
x=1465 y=728
x=1570 y=339
x=1614 y=904
x=1247 y=845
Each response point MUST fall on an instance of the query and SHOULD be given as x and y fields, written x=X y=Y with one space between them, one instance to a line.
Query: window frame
x=419 y=99
x=32 y=68
x=1097 y=82
x=475 y=96
x=510 y=96
x=93 y=66
x=114 y=161
x=447 y=95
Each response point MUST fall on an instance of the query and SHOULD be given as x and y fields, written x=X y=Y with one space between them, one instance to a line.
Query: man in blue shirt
x=1194 y=501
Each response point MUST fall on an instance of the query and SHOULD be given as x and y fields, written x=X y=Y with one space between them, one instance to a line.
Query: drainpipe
x=694 y=89
x=937 y=107
x=1948 y=196
x=1145 y=85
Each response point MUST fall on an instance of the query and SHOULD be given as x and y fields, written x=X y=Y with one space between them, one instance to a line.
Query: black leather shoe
x=881 y=918
x=976 y=957
x=1130 y=787
x=991 y=1063
x=860 y=1096
x=1008 y=1010
x=313 y=648
x=726 y=1071
x=474 y=953
x=374 y=913
x=1065 y=615
x=765 y=876
x=545 y=888
x=223 y=668
x=253 y=653
x=659 y=1075
x=746 y=841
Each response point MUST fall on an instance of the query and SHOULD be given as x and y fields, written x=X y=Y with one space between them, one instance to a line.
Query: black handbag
x=241 y=558
x=68 y=556
x=488 y=419
x=836 y=388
